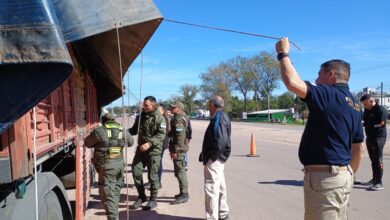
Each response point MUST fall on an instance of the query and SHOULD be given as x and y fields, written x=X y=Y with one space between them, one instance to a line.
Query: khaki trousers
x=326 y=194
x=215 y=190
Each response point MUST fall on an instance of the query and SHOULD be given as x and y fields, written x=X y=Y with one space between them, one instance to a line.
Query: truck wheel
x=52 y=210
x=53 y=202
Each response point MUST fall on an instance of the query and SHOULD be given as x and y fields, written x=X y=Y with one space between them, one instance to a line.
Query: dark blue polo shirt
x=334 y=123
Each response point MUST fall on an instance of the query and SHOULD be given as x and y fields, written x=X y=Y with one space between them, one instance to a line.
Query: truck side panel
x=64 y=117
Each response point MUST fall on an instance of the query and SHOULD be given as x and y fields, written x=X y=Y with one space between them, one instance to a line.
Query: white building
x=384 y=101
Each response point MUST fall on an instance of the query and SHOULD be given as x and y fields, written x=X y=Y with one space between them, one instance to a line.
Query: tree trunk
x=245 y=103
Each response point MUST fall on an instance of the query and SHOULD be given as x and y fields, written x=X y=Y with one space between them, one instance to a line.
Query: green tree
x=286 y=100
x=189 y=93
x=301 y=108
x=252 y=105
x=174 y=98
x=237 y=106
x=217 y=82
x=239 y=70
x=267 y=74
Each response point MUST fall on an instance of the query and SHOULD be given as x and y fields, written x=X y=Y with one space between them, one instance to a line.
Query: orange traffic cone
x=253 y=148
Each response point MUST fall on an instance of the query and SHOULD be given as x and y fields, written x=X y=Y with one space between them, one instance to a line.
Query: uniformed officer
x=178 y=147
x=151 y=134
x=108 y=142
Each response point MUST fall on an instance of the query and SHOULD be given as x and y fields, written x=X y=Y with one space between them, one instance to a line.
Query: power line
x=230 y=30
x=371 y=68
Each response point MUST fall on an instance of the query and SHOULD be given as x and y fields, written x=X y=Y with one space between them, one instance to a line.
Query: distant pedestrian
x=331 y=146
x=215 y=152
x=178 y=147
x=108 y=142
x=164 y=113
x=374 y=117
x=148 y=154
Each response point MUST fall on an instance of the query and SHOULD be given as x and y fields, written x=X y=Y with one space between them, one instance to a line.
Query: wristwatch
x=282 y=55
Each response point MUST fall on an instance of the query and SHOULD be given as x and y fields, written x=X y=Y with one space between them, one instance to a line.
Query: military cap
x=108 y=116
x=177 y=105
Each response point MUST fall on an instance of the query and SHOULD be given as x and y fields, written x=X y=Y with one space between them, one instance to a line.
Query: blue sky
x=357 y=31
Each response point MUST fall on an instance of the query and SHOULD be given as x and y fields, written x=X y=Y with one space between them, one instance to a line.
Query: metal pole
x=257 y=102
x=269 y=116
x=382 y=93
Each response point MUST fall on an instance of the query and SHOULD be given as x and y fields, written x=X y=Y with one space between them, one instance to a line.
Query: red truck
x=59 y=64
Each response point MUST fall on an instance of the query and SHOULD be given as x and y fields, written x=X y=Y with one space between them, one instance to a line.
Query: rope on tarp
x=117 y=25
x=140 y=94
x=35 y=164
x=229 y=30
x=124 y=117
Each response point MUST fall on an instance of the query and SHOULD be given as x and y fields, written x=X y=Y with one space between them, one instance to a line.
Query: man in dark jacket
x=374 y=117
x=215 y=151
x=152 y=128
x=108 y=141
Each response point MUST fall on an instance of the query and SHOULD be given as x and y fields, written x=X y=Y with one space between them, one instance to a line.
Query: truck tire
x=52 y=209
x=52 y=199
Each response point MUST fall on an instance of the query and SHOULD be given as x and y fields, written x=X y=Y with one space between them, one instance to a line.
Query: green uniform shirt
x=178 y=134
x=152 y=130
x=99 y=139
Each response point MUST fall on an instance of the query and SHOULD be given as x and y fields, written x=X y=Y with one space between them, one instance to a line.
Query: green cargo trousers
x=153 y=164
x=180 y=172
x=110 y=185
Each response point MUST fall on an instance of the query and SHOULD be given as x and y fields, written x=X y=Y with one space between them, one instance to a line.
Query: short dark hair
x=341 y=68
x=150 y=98
x=365 y=97
x=217 y=101
x=162 y=106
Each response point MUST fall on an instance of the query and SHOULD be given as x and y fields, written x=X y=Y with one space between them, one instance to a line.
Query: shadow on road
x=361 y=187
x=150 y=215
x=246 y=155
x=95 y=205
x=146 y=171
x=284 y=182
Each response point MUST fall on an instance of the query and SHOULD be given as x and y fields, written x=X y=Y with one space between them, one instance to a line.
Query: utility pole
x=257 y=103
x=269 y=115
x=382 y=93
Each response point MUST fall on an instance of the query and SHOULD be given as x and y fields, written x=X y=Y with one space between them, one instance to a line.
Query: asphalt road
x=266 y=187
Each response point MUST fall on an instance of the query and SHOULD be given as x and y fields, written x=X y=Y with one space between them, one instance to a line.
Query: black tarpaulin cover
x=34 y=59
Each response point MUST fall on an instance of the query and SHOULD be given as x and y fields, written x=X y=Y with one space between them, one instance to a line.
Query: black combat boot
x=138 y=202
x=181 y=198
x=150 y=205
